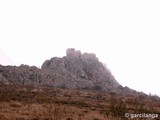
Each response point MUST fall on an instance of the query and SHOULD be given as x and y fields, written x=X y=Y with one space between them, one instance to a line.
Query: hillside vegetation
x=45 y=103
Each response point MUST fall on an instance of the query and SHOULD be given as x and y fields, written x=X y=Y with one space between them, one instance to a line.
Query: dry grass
x=62 y=104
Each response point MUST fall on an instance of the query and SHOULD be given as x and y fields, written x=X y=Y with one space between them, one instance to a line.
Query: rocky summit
x=73 y=71
x=81 y=71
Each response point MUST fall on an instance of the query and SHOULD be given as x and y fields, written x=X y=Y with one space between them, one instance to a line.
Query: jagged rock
x=3 y=79
x=88 y=72
x=72 y=53
x=73 y=71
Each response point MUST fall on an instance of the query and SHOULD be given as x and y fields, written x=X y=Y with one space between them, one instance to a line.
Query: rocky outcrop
x=88 y=72
x=73 y=71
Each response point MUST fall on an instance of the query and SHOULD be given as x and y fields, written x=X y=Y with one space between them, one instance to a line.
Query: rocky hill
x=75 y=87
x=73 y=71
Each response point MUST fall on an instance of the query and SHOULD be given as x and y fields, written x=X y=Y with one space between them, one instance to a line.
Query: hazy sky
x=124 y=34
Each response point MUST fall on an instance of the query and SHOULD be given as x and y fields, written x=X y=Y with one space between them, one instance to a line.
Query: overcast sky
x=124 y=34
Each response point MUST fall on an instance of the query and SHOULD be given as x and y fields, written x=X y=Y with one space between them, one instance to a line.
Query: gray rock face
x=88 y=72
x=74 y=71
